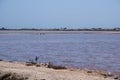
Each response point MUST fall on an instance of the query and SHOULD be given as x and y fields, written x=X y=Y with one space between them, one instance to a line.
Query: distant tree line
x=66 y=29
x=2 y=28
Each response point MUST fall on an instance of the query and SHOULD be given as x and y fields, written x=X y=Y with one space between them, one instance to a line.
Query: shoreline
x=55 y=74
x=56 y=32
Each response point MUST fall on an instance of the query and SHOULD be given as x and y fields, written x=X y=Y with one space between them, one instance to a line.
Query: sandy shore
x=43 y=73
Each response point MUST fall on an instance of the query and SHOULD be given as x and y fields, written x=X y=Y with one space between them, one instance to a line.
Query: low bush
x=11 y=76
x=1 y=60
x=51 y=65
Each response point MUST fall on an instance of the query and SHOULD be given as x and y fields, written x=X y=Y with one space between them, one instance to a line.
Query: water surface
x=82 y=50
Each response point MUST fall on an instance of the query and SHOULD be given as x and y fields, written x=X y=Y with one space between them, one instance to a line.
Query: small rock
x=117 y=77
x=42 y=79
x=89 y=71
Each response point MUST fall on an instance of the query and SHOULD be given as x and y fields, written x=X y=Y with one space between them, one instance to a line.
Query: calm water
x=82 y=50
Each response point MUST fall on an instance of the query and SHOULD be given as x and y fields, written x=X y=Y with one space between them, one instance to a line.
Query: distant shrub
x=11 y=76
x=32 y=62
x=51 y=65
x=1 y=60
x=36 y=59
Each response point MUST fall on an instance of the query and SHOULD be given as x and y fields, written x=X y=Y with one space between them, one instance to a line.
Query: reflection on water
x=94 y=51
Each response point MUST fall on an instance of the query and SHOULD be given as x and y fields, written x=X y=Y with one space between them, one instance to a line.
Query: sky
x=59 y=13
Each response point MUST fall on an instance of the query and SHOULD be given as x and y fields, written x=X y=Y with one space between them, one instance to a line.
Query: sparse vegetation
x=1 y=60
x=11 y=76
x=65 y=29
x=51 y=65
x=36 y=59
x=32 y=61
x=2 y=28
x=48 y=65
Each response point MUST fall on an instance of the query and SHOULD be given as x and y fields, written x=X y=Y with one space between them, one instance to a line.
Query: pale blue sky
x=59 y=13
